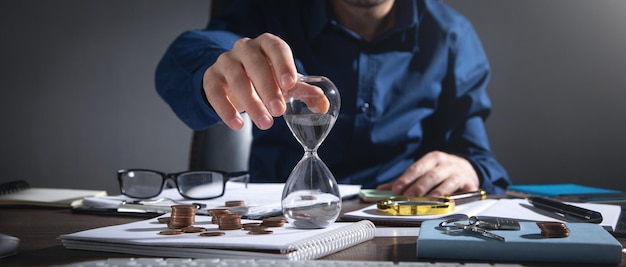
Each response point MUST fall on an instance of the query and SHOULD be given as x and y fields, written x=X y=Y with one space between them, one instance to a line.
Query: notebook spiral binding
x=331 y=242
x=13 y=186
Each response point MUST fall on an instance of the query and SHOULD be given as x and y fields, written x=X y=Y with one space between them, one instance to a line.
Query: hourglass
x=311 y=196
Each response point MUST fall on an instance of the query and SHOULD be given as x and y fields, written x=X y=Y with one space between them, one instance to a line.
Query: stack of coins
x=182 y=216
x=215 y=213
x=235 y=203
x=256 y=229
x=229 y=222
x=273 y=222
x=553 y=229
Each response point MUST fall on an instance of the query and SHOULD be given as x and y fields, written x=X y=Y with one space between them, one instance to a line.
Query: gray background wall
x=77 y=99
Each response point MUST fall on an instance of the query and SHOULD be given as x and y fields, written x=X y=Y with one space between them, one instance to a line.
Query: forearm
x=180 y=72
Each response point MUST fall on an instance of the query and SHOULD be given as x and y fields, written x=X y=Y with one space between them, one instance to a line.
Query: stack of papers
x=519 y=209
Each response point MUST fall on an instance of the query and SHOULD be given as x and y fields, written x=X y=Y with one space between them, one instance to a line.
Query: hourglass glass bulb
x=312 y=109
x=311 y=196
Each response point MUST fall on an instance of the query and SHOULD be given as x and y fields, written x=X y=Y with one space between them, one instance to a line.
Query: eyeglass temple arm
x=240 y=176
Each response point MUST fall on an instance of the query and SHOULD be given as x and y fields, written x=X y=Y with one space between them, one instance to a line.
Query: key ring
x=454 y=225
x=451 y=224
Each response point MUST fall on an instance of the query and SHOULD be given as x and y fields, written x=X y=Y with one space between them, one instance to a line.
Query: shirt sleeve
x=470 y=73
x=179 y=74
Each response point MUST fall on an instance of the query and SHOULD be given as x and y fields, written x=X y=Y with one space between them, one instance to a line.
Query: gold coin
x=212 y=234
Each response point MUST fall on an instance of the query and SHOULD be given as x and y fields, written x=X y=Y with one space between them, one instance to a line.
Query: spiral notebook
x=19 y=192
x=285 y=242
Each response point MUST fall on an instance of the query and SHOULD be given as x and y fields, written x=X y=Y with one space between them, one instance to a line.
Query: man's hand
x=250 y=78
x=436 y=174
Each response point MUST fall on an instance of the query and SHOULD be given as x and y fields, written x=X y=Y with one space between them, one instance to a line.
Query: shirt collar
x=407 y=18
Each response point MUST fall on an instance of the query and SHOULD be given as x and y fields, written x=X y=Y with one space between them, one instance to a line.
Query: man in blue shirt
x=412 y=77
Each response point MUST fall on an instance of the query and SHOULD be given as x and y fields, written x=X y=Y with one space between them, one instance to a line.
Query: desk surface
x=39 y=228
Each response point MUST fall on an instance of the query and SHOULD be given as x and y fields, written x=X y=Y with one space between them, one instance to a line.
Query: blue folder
x=557 y=190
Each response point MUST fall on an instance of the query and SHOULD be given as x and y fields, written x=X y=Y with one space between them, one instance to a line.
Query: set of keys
x=481 y=225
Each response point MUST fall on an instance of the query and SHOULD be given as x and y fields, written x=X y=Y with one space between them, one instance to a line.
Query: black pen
x=565 y=210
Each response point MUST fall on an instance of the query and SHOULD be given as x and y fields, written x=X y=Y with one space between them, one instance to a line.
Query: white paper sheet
x=519 y=209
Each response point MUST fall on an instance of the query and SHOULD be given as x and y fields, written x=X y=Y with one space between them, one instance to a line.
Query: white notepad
x=286 y=242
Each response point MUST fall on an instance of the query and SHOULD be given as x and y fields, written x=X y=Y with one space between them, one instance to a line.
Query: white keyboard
x=177 y=262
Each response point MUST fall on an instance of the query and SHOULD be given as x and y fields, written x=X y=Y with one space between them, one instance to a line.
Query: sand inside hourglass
x=310 y=129
x=311 y=209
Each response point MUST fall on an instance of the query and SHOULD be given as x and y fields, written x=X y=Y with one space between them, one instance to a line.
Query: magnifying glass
x=412 y=206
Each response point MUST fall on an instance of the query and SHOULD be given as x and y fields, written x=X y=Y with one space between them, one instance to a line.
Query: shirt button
x=365 y=107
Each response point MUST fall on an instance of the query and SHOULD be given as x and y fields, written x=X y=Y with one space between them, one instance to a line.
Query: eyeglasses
x=144 y=184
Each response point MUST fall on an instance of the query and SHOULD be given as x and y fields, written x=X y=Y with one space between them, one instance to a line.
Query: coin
x=553 y=229
x=308 y=197
x=554 y=234
x=273 y=222
x=215 y=213
x=164 y=219
x=212 y=234
x=260 y=232
x=170 y=232
x=248 y=226
x=234 y=203
x=193 y=229
x=218 y=211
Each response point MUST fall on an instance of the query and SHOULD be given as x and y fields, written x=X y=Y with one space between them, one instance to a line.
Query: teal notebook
x=587 y=243
x=557 y=190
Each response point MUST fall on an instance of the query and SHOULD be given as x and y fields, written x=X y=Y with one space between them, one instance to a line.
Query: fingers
x=270 y=71
x=281 y=58
x=250 y=78
x=311 y=95
x=215 y=92
x=416 y=171
x=437 y=174
x=385 y=186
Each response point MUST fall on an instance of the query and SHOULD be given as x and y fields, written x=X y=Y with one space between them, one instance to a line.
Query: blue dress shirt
x=416 y=88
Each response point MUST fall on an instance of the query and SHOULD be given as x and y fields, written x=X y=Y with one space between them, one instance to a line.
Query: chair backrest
x=221 y=148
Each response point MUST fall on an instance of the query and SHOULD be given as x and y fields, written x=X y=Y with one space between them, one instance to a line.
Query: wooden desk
x=39 y=228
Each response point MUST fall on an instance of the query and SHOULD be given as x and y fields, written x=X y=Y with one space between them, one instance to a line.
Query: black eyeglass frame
x=228 y=176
